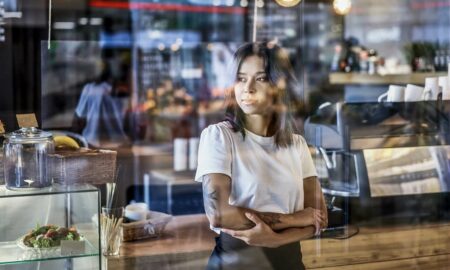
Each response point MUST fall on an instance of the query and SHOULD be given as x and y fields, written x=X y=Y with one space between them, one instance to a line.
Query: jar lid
x=29 y=135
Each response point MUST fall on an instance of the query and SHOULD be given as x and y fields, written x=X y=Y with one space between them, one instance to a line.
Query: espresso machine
x=374 y=157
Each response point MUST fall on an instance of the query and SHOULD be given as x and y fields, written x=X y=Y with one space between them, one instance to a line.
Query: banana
x=65 y=142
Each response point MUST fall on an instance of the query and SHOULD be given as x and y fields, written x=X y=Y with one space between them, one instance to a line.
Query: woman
x=260 y=189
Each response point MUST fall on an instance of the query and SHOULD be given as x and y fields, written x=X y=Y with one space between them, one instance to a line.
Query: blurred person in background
x=99 y=115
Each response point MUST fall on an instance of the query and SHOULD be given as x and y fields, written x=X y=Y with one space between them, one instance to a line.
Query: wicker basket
x=150 y=228
x=83 y=166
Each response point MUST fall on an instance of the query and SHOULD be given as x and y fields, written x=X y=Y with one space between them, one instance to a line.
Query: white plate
x=20 y=243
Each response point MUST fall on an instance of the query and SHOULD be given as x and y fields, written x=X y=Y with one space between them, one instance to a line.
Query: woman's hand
x=310 y=216
x=260 y=235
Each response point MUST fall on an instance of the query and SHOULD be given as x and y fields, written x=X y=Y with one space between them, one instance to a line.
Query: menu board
x=152 y=67
x=277 y=22
x=409 y=170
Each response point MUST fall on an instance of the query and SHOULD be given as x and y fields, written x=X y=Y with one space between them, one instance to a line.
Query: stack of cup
x=185 y=153
x=180 y=152
x=413 y=93
x=410 y=93
x=193 y=153
x=445 y=89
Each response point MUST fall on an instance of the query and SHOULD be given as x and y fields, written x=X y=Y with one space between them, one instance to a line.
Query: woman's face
x=253 y=91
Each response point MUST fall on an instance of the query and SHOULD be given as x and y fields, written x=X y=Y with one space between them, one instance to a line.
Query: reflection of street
x=170 y=112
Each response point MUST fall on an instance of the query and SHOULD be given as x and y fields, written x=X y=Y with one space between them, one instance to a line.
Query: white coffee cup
x=413 y=93
x=432 y=89
x=395 y=93
x=136 y=211
x=444 y=88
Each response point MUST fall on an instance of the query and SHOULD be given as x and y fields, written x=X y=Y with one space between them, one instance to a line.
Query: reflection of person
x=99 y=114
x=260 y=187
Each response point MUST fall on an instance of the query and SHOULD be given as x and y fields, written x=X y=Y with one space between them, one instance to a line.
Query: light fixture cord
x=255 y=18
x=49 y=23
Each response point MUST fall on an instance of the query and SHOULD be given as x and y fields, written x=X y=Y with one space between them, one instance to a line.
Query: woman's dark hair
x=280 y=74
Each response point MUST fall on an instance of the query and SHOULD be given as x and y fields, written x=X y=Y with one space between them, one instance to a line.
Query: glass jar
x=25 y=158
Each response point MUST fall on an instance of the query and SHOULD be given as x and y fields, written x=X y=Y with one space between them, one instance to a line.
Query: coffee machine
x=374 y=157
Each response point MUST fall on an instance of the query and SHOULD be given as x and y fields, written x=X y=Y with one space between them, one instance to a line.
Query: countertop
x=188 y=242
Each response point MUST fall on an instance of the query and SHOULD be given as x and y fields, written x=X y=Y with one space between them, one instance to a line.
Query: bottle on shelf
x=373 y=61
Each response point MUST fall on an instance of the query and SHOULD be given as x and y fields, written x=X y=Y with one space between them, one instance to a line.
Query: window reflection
x=371 y=102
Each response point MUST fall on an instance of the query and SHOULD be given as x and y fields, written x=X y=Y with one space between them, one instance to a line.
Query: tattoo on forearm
x=211 y=200
x=270 y=219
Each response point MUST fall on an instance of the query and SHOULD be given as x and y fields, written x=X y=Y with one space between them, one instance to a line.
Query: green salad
x=48 y=236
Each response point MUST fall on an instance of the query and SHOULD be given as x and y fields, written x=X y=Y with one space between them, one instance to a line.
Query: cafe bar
x=224 y=134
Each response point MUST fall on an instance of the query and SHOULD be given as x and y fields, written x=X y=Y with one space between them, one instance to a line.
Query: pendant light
x=49 y=23
x=342 y=7
x=287 y=3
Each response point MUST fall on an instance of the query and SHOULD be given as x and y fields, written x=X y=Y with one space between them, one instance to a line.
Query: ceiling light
x=342 y=7
x=288 y=3
x=64 y=25
x=260 y=3
x=83 y=21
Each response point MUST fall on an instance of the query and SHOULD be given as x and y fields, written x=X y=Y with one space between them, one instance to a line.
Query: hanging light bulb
x=287 y=3
x=260 y=3
x=342 y=7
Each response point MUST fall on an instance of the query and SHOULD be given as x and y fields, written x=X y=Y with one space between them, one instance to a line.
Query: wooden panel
x=439 y=262
x=377 y=247
x=366 y=79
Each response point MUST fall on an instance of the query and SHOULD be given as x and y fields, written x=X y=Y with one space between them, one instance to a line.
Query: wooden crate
x=83 y=166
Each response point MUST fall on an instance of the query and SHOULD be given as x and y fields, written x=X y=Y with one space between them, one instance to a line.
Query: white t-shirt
x=263 y=177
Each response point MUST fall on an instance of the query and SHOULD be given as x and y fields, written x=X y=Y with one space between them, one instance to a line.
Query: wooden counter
x=188 y=243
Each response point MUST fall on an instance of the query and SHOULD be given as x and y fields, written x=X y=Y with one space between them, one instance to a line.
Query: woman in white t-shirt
x=260 y=189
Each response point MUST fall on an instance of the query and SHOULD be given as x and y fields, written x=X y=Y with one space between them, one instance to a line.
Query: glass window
x=326 y=120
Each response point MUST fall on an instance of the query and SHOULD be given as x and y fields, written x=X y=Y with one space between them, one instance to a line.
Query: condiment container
x=25 y=159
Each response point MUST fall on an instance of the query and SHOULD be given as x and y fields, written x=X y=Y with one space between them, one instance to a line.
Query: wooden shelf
x=376 y=79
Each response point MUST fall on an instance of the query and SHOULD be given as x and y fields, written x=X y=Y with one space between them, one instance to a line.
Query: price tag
x=2 y=127
x=27 y=120
x=71 y=247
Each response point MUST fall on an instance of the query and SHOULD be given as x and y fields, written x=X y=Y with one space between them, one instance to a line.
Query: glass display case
x=74 y=206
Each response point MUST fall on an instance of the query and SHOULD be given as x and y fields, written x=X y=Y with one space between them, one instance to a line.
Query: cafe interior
x=372 y=103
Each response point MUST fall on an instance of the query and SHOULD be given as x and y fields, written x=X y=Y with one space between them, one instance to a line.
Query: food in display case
x=66 y=233
x=49 y=236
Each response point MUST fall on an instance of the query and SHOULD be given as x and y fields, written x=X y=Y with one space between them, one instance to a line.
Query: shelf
x=11 y=253
x=376 y=79
x=54 y=189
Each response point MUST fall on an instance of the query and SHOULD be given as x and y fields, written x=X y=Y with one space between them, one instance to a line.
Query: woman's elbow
x=214 y=219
